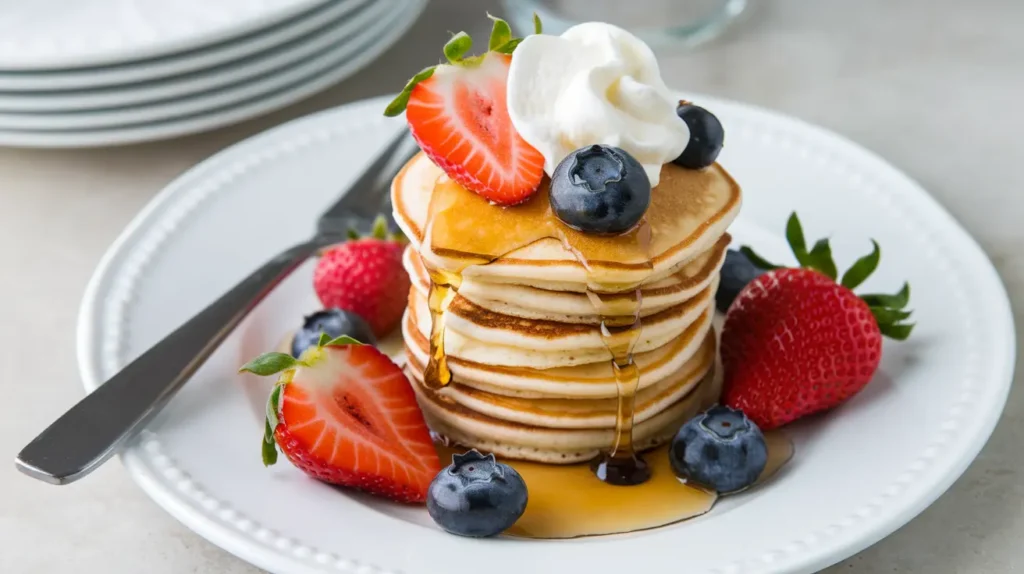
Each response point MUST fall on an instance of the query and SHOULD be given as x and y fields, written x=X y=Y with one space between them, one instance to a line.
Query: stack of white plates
x=106 y=72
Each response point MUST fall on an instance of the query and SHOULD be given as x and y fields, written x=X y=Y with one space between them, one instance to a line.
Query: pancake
x=591 y=381
x=531 y=373
x=575 y=412
x=527 y=302
x=469 y=428
x=690 y=211
x=478 y=335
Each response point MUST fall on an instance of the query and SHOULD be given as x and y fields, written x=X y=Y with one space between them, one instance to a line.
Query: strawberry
x=796 y=342
x=344 y=414
x=366 y=276
x=457 y=112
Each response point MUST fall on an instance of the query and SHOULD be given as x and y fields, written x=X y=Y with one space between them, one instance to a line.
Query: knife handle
x=95 y=428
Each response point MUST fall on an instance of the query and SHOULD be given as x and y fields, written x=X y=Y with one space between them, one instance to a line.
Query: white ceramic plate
x=859 y=472
x=365 y=27
x=265 y=39
x=54 y=34
x=331 y=33
x=389 y=30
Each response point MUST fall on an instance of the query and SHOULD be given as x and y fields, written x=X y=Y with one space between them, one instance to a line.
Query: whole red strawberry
x=796 y=341
x=365 y=276
x=345 y=414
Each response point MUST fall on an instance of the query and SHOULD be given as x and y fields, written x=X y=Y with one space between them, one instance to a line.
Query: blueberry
x=719 y=449
x=600 y=189
x=737 y=271
x=334 y=322
x=476 y=496
x=706 y=137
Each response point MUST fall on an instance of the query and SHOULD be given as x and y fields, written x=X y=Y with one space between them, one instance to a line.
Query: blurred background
x=103 y=102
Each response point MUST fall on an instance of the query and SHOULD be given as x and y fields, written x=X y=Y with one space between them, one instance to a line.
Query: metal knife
x=99 y=425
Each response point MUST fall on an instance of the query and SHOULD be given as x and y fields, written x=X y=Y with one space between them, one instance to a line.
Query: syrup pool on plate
x=566 y=502
x=454 y=230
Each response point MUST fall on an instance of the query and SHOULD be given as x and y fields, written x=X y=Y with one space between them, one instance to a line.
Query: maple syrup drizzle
x=622 y=465
x=466 y=228
x=442 y=286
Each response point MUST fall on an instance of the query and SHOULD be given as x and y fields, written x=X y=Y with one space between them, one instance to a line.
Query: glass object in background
x=660 y=23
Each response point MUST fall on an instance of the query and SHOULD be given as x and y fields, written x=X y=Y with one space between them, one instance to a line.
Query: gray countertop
x=934 y=86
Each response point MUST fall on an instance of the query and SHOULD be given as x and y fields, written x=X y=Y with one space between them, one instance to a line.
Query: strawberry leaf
x=888 y=310
x=757 y=260
x=273 y=406
x=862 y=268
x=324 y=339
x=352 y=234
x=886 y=316
x=509 y=44
x=820 y=258
x=897 y=301
x=509 y=47
x=269 y=446
x=341 y=342
x=897 y=332
x=457 y=47
x=269 y=364
x=397 y=105
x=455 y=51
x=501 y=33
x=795 y=238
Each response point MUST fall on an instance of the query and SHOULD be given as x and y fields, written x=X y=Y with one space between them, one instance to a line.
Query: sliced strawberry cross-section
x=460 y=118
x=346 y=415
x=458 y=113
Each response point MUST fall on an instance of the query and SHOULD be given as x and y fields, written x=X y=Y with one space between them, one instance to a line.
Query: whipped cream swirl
x=594 y=84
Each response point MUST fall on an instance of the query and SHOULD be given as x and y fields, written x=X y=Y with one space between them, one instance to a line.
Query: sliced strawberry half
x=345 y=414
x=460 y=118
x=459 y=115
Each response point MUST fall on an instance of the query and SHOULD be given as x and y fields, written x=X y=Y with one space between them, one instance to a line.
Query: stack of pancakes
x=531 y=376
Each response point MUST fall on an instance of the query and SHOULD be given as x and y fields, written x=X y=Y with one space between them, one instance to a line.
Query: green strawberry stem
x=862 y=268
x=323 y=340
x=501 y=33
x=341 y=341
x=896 y=332
x=269 y=447
x=269 y=364
x=455 y=50
x=887 y=309
x=272 y=406
x=379 y=230
x=897 y=301
x=397 y=105
x=757 y=260
x=275 y=363
x=269 y=444
x=818 y=258
x=457 y=47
